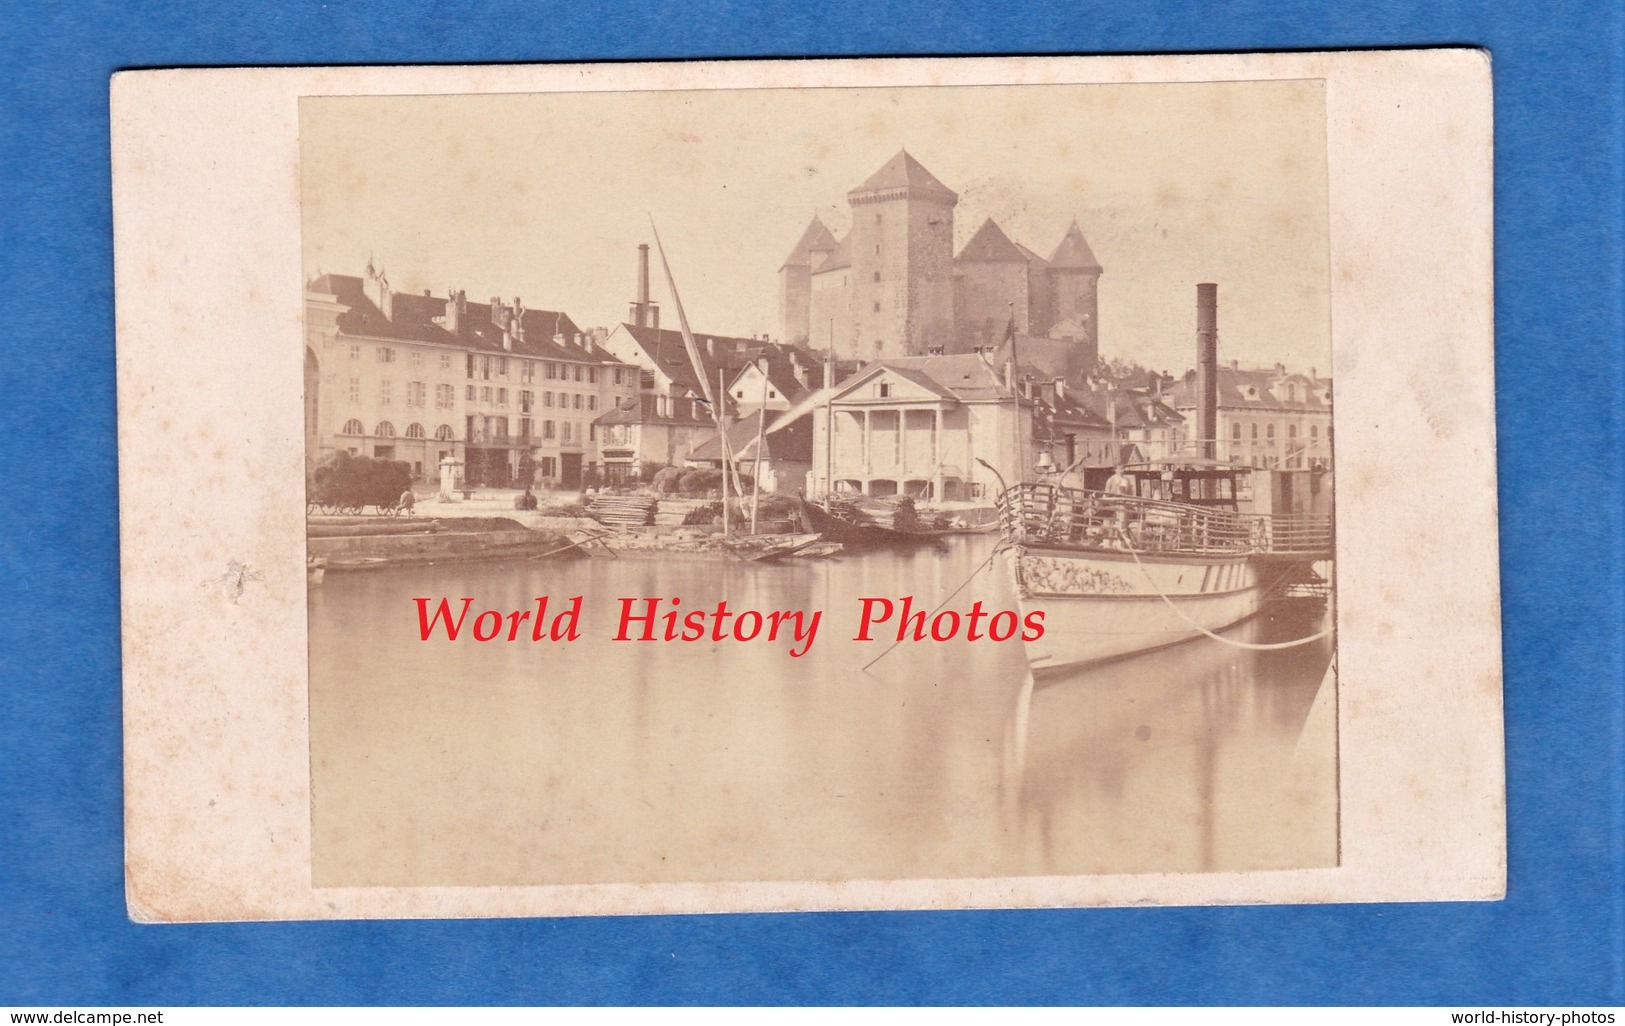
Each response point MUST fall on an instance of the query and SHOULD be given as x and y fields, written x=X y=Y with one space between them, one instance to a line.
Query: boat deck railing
x=1059 y=515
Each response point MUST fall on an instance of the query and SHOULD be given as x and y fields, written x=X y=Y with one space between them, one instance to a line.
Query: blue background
x=1557 y=939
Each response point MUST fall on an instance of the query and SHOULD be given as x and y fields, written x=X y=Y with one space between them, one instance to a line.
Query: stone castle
x=892 y=285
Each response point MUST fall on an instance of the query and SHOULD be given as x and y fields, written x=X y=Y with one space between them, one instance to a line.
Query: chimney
x=654 y=316
x=711 y=348
x=518 y=325
x=454 y=310
x=1060 y=388
x=1207 y=366
x=640 y=311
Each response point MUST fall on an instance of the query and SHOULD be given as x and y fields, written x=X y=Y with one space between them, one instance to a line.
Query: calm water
x=466 y=763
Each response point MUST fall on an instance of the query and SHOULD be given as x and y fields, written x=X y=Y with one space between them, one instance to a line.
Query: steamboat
x=1162 y=557
x=1163 y=554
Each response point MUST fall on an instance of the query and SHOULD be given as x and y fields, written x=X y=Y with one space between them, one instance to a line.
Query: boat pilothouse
x=1161 y=554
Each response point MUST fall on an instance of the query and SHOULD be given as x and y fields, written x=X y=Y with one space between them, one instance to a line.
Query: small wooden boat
x=763 y=548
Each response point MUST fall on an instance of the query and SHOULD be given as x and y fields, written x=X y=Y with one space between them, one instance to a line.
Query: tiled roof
x=781 y=374
x=815 y=237
x=1234 y=382
x=904 y=172
x=1074 y=253
x=666 y=350
x=963 y=376
x=840 y=257
x=413 y=319
x=644 y=409
x=990 y=245
x=1033 y=259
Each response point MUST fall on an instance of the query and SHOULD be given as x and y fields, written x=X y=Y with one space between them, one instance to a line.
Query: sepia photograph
x=794 y=486
x=819 y=484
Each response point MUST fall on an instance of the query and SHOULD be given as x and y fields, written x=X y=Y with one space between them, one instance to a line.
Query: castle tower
x=901 y=251
x=1074 y=280
x=795 y=281
x=991 y=287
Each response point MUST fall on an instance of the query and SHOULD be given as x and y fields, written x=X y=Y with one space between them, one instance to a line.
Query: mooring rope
x=1251 y=646
x=937 y=610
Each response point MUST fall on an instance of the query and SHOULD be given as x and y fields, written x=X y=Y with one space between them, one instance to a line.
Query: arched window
x=384 y=429
x=414 y=430
x=443 y=433
x=353 y=427
x=1235 y=431
x=1269 y=433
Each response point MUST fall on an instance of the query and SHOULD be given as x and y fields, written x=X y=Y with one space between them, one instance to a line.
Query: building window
x=1255 y=434
x=883 y=390
x=502 y=396
x=414 y=430
x=564 y=431
x=470 y=394
x=547 y=430
x=444 y=396
x=485 y=393
x=524 y=427
x=578 y=372
x=353 y=427
x=592 y=403
x=547 y=399
x=525 y=400
x=445 y=361
x=877 y=306
x=443 y=433
x=502 y=366
x=417 y=358
x=355 y=390
x=416 y=393
x=384 y=429
x=1235 y=432
x=592 y=375
x=575 y=401
x=1269 y=434
x=355 y=351
x=619 y=377
x=549 y=467
x=877 y=276
x=592 y=433
x=472 y=365
x=552 y=372
x=383 y=392
x=386 y=354
x=485 y=368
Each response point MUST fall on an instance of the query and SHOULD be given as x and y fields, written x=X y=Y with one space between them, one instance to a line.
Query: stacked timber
x=623 y=510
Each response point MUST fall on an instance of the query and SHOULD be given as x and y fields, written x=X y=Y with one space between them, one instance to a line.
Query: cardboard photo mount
x=211 y=442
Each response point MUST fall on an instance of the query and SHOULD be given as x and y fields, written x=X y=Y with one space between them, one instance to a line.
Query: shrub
x=345 y=480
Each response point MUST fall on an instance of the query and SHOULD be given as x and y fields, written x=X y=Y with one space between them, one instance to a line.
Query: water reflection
x=599 y=761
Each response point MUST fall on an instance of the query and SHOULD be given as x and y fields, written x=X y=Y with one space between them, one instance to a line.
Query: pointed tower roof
x=1074 y=254
x=991 y=245
x=903 y=174
x=1033 y=259
x=816 y=237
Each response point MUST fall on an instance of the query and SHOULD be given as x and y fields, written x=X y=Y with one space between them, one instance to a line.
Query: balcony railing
x=1044 y=514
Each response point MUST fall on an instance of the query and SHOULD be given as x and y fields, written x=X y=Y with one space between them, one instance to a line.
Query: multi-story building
x=918 y=426
x=892 y=285
x=1268 y=418
x=512 y=393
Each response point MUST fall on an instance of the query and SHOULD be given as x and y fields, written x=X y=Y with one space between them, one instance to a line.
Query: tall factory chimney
x=640 y=311
x=1207 y=366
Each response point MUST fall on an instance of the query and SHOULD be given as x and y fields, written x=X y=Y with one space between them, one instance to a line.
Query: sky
x=546 y=196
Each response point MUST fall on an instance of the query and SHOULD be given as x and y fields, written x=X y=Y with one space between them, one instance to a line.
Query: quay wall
x=431 y=548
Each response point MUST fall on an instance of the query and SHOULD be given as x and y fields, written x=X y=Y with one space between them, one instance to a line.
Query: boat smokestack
x=1207 y=366
x=641 y=310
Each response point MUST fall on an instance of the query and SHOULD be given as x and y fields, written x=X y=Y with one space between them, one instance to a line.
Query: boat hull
x=1102 y=605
